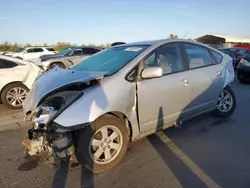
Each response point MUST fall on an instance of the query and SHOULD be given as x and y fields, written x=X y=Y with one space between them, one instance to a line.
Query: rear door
x=76 y=57
x=29 y=54
x=38 y=52
x=205 y=77
x=164 y=100
x=6 y=72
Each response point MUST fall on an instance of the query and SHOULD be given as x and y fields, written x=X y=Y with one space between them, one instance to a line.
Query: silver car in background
x=122 y=94
x=67 y=57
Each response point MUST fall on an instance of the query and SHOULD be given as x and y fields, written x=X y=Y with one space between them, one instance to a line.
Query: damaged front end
x=50 y=95
x=47 y=136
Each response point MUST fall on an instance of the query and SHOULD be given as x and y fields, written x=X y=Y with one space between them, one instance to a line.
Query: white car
x=16 y=78
x=32 y=52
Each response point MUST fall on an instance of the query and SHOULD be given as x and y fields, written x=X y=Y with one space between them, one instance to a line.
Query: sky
x=107 y=21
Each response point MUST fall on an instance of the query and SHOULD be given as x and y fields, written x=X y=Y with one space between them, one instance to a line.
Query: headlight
x=44 y=115
x=53 y=106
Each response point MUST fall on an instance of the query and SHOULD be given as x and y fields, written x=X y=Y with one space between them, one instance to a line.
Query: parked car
x=237 y=53
x=66 y=57
x=16 y=78
x=117 y=43
x=247 y=46
x=31 y=52
x=243 y=70
x=122 y=94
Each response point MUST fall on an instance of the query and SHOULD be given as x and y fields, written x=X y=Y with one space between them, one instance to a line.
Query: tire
x=59 y=64
x=12 y=89
x=19 y=58
x=221 y=113
x=84 y=137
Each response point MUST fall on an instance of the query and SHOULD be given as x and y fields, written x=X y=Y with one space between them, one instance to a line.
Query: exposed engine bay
x=46 y=135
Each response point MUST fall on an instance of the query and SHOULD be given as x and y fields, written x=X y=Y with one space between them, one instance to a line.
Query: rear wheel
x=226 y=103
x=13 y=95
x=103 y=144
x=59 y=64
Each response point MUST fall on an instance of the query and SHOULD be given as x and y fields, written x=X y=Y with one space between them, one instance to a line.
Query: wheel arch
x=59 y=62
x=121 y=116
x=14 y=82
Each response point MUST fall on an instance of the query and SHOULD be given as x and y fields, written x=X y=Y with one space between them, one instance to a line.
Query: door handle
x=184 y=82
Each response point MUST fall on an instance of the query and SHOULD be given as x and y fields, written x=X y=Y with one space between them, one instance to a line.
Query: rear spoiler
x=117 y=43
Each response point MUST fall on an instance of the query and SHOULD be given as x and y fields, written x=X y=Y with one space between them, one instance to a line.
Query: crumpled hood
x=54 y=79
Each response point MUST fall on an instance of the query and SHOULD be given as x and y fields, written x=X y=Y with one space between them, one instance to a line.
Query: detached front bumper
x=47 y=138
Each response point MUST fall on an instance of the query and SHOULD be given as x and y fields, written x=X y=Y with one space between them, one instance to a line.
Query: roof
x=141 y=43
x=212 y=39
x=95 y=47
x=8 y=58
x=153 y=42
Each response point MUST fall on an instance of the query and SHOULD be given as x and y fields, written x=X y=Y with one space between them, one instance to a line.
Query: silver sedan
x=123 y=94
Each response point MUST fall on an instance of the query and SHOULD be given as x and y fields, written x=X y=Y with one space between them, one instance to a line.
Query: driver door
x=164 y=100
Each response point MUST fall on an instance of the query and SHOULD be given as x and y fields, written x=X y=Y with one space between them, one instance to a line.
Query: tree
x=172 y=36
x=28 y=45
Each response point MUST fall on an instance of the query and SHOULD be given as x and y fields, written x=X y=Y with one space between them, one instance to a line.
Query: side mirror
x=152 y=72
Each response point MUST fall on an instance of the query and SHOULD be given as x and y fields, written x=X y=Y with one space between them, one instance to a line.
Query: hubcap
x=105 y=144
x=225 y=101
x=16 y=96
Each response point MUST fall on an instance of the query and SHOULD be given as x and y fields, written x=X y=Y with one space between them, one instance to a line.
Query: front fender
x=98 y=100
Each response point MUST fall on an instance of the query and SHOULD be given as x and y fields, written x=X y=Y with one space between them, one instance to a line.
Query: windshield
x=64 y=51
x=20 y=50
x=230 y=51
x=110 y=60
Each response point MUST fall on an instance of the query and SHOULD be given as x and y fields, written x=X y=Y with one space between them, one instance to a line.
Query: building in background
x=220 y=41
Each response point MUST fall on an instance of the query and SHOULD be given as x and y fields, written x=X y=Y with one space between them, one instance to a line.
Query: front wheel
x=226 y=103
x=103 y=144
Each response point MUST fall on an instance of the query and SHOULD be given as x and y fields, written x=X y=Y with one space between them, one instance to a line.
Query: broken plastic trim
x=60 y=128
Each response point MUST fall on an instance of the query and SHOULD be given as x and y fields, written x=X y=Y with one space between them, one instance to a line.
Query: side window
x=38 y=50
x=217 y=57
x=197 y=56
x=7 y=64
x=241 y=52
x=50 y=49
x=168 y=57
x=31 y=50
x=77 y=52
x=89 y=51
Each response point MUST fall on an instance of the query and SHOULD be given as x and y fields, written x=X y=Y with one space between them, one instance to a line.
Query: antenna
x=185 y=34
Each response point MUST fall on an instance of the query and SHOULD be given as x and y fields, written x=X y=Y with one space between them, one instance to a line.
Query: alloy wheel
x=105 y=144
x=225 y=101
x=16 y=96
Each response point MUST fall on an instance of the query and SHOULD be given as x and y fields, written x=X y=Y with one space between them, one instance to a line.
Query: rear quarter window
x=5 y=64
x=216 y=56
